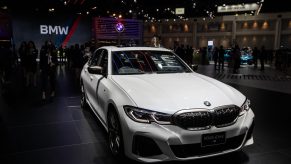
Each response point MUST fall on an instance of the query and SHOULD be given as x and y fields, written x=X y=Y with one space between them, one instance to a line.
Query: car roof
x=115 y=48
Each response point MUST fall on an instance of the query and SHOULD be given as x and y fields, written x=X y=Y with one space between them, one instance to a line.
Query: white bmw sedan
x=156 y=108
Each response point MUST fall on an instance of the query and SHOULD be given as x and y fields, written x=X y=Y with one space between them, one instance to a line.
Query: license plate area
x=213 y=139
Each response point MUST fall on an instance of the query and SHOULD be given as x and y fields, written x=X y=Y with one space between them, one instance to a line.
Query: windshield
x=143 y=61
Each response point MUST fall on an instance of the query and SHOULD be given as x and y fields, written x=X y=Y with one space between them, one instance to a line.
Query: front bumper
x=155 y=143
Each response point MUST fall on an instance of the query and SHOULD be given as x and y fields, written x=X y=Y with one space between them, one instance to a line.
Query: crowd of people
x=256 y=56
x=39 y=67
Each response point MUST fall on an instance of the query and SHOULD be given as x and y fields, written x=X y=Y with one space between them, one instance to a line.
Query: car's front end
x=165 y=123
x=173 y=113
x=184 y=140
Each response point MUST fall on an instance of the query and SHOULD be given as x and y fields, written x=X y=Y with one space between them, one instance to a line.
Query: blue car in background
x=245 y=58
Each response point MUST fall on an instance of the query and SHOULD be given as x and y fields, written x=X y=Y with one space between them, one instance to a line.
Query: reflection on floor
x=61 y=132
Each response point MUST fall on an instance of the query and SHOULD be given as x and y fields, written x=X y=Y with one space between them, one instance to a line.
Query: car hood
x=170 y=93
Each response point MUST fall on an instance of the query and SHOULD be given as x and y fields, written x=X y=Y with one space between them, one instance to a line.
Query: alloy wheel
x=114 y=133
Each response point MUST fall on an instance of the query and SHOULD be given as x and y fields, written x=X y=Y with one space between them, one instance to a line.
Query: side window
x=103 y=60
x=96 y=56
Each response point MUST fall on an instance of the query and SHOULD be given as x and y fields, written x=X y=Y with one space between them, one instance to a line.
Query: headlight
x=245 y=107
x=147 y=116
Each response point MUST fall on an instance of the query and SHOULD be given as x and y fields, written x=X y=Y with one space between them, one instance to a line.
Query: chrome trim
x=190 y=110
x=199 y=128
x=211 y=111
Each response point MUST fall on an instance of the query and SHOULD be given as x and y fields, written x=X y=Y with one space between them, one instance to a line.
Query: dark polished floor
x=60 y=132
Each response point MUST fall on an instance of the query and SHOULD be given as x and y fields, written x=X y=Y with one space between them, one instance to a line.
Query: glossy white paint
x=169 y=92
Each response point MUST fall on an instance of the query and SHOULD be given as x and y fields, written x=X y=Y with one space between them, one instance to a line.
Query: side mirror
x=95 y=70
x=194 y=67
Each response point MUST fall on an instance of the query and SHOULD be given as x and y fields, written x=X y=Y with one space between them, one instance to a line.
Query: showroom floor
x=60 y=132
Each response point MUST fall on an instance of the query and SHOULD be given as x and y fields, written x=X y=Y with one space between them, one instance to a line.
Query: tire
x=115 y=139
x=84 y=104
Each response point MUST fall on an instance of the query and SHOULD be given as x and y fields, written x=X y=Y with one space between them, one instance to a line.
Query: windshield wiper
x=160 y=72
x=131 y=73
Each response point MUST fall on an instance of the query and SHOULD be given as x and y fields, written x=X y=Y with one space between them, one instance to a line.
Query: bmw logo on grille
x=207 y=103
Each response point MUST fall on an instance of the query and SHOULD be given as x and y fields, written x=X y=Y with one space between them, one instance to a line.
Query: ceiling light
x=87 y=12
x=119 y=16
x=130 y=11
x=93 y=8
x=65 y=3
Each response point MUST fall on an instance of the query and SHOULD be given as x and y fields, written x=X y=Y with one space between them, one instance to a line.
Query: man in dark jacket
x=48 y=64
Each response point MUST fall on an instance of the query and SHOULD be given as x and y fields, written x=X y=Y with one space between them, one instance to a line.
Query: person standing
x=236 y=59
x=262 y=57
x=215 y=57
x=48 y=64
x=78 y=62
x=31 y=64
x=221 y=53
x=22 y=52
x=256 y=53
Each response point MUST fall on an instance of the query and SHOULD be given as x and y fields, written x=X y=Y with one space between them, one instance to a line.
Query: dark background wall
x=27 y=27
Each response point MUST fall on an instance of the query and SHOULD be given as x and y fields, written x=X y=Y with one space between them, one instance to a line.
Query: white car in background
x=156 y=108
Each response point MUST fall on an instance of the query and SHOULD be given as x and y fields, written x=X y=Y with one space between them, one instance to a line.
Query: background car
x=155 y=108
x=245 y=58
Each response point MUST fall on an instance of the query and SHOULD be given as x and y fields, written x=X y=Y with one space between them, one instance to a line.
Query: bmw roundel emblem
x=207 y=103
